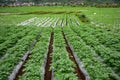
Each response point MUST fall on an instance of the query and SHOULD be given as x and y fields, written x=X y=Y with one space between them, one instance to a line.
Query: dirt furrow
x=18 y=71
x=48 y=72
x=79 y=73
x=61 y=24
x=66 y=21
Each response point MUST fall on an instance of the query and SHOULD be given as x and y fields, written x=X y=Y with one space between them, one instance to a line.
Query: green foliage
x=14 y=54
x=87 y=41
x=34 y=66
x=83 y=18
x=62 y=66
x=106 y=51
x=95 y=69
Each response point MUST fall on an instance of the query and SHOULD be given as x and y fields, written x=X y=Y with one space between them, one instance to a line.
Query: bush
x=83 y=18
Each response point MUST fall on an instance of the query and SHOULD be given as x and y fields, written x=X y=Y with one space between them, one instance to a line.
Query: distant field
x=44 y=8
x=57 y=44
x=104 y=17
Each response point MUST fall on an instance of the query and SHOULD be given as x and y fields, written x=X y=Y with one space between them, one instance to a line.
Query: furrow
x=48 y=72
x=77 y=68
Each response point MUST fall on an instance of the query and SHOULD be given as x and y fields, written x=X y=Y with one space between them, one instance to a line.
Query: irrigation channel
x=71 y=56
x=18 y=71
x=48 y=72
x=99 y=57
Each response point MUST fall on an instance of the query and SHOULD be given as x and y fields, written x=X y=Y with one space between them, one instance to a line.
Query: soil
x=79 y=73
x=66 y=22
x=49 y=12
x=48 y=72
x=21 y=72
x=21 y=69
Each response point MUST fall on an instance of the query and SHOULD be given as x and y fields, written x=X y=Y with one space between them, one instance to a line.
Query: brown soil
x=61 y=22
x=21 y=69
x=79 y=73
x=21 y=72
x=51 y=12
x=66 y=22
x=48 y=72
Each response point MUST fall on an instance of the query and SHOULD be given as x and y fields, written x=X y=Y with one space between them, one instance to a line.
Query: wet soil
x=79 y=73
x=48 y=72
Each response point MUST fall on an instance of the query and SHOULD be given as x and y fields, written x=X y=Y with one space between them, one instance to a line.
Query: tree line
x=62 y=2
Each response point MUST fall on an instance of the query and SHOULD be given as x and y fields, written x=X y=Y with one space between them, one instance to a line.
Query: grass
x=41 y=8
x=13 y=19
x=108 y=18
x=105 y=17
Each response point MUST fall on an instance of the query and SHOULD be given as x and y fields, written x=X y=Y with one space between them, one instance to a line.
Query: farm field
x=52 y=43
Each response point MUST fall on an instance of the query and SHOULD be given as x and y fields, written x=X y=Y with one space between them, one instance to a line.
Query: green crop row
x=12 y=38
x=109 y=39
x=95 y=68
x=62 y=66
x=109 y=55
x=7 y=31
x=14 y=54
x=33 y=67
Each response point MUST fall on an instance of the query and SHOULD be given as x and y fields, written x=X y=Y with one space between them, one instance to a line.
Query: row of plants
x=7 y=31
x=44 y=21
x=14 y=54
x=41 y=21
x=110 y=57
x=107 y=38
x=35 y=21
x=28 y=21
x=59 y=22
x=55 y=22
x=64 y=21
x=62 y=66
x=11 y=37
x=92 y=64
x=48 y=22
x=34 y=68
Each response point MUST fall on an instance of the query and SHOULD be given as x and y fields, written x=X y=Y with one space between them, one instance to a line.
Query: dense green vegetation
x=34 y=67
x=96 y=43
x=14 y=48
